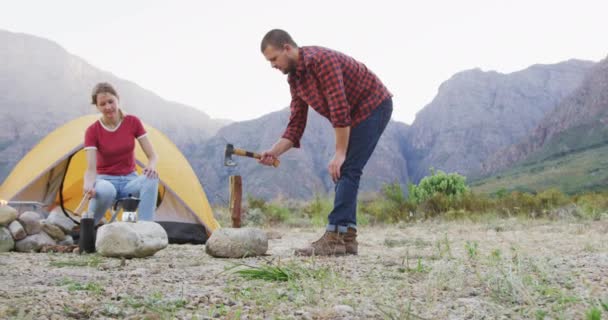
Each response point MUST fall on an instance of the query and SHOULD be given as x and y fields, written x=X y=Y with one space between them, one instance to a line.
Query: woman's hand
x=89 y=189
x=150 y=172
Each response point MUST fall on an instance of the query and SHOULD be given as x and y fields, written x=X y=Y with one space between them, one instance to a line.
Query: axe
x=230 y=150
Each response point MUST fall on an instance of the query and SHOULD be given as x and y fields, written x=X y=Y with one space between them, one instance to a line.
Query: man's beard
x=291 y=67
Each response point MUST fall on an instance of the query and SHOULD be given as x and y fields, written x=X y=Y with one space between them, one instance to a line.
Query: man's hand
x=268 y=158
x=280 y=147
x=335 y=165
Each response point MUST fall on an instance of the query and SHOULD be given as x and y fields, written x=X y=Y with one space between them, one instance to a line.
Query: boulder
x=58 y=218
x=67 y=241
x=237 y=243
x=131 y=240
x=52 y=230
x=17 y=230
x=31 y=222
x=7 y=215
x=34 y=242
x=6 y=240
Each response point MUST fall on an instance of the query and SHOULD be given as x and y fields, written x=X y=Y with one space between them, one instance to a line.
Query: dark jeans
x=361 y=145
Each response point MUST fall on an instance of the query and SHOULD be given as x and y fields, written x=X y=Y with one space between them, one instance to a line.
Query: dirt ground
x=500 y=269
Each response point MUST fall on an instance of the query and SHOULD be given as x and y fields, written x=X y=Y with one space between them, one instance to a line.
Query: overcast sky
x=206 y=53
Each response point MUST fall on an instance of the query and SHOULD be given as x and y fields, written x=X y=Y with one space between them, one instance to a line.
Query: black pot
x=129 y=204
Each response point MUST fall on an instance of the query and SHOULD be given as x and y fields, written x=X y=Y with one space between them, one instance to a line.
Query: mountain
x=582 y=116
x=302 y=172
x=476 y=113
x=42 y=86
x=567 y=149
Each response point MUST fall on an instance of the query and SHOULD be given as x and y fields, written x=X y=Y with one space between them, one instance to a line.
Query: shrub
x=449 y=185
x=391 y=206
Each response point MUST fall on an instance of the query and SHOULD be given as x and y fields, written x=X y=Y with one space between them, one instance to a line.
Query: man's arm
x=342 y=137
x=280 y=147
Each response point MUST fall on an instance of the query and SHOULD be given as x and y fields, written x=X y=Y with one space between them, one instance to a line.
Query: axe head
x=228 y=152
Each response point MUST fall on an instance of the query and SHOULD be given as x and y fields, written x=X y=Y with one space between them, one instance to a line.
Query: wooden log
x=236 y=195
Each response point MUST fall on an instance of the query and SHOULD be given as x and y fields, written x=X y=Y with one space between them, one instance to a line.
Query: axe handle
x=78 y=210
x=244 y=153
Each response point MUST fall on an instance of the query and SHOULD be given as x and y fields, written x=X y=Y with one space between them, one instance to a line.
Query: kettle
x=129 y=207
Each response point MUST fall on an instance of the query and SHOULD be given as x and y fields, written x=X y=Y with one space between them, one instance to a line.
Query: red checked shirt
x=337 y=86
x=115 y=147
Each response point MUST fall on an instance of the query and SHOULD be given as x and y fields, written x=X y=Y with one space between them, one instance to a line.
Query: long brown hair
x=104 y=87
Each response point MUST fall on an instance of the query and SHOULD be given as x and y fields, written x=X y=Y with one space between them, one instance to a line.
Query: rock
x=34 y=242
x=58 y=218
x=67 y=241
x=343 y=309
x=52 y=230
x=237 y=243
x=17 y=230
x=272 y=235
x=7 y=215
x=31 y=222
x=6 y=240
x=131 y=240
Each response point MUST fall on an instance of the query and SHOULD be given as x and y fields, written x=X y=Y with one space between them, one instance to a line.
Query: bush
x=391 y=206
x=449 y=185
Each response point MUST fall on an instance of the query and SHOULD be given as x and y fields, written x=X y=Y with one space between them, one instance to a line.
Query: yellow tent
x=52 y=172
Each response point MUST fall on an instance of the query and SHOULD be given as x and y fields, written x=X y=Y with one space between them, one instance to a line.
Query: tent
x=52 y=174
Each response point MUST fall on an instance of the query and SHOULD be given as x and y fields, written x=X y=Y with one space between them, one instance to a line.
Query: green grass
x=73 y=285
x=281 y=272
x=571 y=173
x=93 y=260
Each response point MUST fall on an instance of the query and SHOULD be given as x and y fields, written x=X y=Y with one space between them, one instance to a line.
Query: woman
x=110 y=150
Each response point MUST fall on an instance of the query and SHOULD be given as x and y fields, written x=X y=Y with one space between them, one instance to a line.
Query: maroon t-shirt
x=115 y=147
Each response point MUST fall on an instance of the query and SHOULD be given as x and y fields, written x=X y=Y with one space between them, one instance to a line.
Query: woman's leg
x=105 y=193
x=147 y=190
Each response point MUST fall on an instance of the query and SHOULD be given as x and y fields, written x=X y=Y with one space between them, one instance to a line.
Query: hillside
x=477 y=113
x=568 y=146
x=303 y=172
x=42 y=86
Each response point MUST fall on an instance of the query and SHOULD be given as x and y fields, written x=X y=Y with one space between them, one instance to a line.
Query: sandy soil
x=500 y=269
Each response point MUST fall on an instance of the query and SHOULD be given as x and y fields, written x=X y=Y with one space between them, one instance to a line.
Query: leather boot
x=330 y=244
x=350 y=241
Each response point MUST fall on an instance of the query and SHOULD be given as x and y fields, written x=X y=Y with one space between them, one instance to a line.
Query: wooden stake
x=236 y=194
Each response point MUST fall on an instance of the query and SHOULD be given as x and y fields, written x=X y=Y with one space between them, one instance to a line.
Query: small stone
x=343 y=309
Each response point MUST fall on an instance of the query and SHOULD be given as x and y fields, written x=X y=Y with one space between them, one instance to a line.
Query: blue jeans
x=361 y=144
x=109 y=188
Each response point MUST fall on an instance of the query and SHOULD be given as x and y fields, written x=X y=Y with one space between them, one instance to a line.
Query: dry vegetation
x=489 y=269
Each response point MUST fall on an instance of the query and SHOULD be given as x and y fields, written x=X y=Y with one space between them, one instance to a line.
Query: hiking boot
x=330 y=244
x=350 y=241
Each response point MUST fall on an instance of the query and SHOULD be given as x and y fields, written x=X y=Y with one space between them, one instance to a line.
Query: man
x=358 y=106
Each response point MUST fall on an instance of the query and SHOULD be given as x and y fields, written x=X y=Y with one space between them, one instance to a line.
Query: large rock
x=17 y=230
x=34 y=242
x=31 y=222
x=6 y=240
x=237 y=243
x=52 y=230
x=58 y=218
x=7 y=215
x=131 y=240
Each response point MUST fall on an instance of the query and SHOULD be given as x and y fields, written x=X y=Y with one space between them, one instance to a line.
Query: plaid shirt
x=337 y=86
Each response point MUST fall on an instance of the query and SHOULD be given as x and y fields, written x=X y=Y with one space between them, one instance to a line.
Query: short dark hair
x=277 y=38
x=102 y=87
